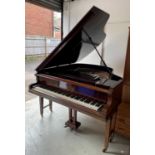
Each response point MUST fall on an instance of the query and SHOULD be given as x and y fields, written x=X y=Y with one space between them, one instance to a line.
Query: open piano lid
x=76 y=45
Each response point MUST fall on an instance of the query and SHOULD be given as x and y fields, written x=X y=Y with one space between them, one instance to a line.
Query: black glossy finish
x=88 y=83
x=84 y=73
x=76 y=44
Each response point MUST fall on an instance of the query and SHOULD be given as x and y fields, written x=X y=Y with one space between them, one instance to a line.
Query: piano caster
x=111 y=137
x=110 y=140
x=104 y=150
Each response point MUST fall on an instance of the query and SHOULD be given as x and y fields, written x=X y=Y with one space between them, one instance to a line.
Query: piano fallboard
x=74 y=87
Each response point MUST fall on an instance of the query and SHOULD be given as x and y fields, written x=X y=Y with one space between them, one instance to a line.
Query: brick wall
x=38 y=20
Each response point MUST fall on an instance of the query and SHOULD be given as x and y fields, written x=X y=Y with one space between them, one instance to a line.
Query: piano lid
x=76 y=45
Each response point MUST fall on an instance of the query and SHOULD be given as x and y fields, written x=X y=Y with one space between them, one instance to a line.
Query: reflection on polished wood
x=90 y=89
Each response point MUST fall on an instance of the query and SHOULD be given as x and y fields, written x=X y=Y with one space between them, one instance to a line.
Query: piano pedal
x=72 y=125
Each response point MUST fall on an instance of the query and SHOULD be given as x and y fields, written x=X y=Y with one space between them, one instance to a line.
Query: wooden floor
x=47 y=135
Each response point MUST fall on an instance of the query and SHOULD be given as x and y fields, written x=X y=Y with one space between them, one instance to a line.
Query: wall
x=38 y=20
x=114 y=46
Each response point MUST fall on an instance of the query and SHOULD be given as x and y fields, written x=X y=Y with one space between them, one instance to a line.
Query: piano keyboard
x=95 y=105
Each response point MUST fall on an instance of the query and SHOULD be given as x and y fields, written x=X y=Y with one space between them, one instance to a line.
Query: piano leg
x=70 y=115
x=50 y=105
x=72 y=122
x=113 y=126
x=41 y=102
x=107 y=134
x=75 y=116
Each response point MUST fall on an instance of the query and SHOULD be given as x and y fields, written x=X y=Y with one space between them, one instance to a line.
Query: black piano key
x=87 y=101
x=93 y=103
x=97 y=104
x=79 y=99
x=72 y=96
x=82 y=99
x=76 y=97
x=58 y=91
x=54 y=90
x=68 y=95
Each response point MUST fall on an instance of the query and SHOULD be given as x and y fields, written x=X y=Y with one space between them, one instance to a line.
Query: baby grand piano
x=90 y=89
